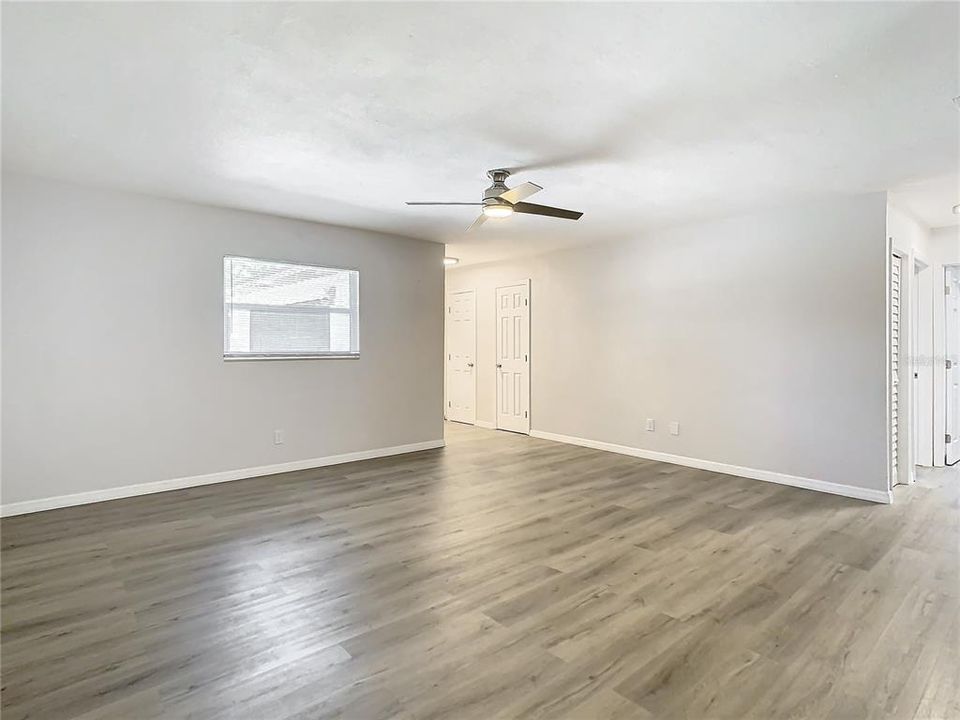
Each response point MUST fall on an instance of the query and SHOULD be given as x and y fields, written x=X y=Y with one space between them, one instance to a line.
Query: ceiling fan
x=499 y=201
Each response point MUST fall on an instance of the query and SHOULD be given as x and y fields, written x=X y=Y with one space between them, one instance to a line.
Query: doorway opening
x=921 y=368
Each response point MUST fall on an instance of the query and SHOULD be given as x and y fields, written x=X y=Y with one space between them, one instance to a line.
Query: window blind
x=288 y=310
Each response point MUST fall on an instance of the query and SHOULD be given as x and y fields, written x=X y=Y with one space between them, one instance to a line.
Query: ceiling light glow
x=450 y=261
x=497 y=211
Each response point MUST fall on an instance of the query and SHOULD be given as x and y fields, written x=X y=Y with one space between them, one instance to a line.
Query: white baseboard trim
x=84 y=498
x=486 y=425
x=851 y=491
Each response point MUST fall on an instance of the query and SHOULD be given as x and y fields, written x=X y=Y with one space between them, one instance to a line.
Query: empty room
x=459 y=361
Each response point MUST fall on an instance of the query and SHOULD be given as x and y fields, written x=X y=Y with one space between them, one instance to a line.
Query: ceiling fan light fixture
x=497 y=210
x=499 y=201
x=448 y=261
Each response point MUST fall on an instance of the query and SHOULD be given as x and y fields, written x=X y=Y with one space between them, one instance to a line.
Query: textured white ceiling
x=639 y=115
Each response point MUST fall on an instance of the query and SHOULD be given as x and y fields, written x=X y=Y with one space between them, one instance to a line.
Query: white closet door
x=513 y=358
x=461 y=357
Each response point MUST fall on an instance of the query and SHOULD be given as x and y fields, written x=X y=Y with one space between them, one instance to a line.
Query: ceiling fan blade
x=520 y=192
x=444 y=203
x=534 y=209
x=478 y=222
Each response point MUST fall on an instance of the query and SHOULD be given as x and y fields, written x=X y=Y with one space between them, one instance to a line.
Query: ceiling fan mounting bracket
x=498 y=187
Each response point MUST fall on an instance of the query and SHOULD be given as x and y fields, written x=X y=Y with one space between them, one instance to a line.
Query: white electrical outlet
x=674 y=428
x=651 y=425
x=278 y=437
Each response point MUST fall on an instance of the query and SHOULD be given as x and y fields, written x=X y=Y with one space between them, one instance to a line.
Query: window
x=288 y=310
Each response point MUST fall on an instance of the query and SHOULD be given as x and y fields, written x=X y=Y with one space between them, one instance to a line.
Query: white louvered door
x=513 y=358
x=895 y=277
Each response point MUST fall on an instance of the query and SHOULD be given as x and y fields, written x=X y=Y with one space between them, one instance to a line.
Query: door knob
x=469 y=364
x=499 y=365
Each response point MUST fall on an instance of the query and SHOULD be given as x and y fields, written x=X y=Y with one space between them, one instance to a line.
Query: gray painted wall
x=112 y=343
x=763 y=335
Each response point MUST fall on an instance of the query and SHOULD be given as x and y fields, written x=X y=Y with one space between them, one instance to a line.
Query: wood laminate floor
x=500 y=577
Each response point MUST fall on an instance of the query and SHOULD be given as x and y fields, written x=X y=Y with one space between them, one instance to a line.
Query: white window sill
x=330 y=356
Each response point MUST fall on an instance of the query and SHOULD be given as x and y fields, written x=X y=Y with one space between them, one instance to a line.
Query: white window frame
x=353 y=311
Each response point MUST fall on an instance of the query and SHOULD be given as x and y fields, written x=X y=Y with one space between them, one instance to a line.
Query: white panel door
x=513 y=358
x=952 y=346
x=461 y=357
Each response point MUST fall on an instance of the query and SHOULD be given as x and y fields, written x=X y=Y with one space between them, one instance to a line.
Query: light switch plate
x=651 y=425
x=674 y=428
